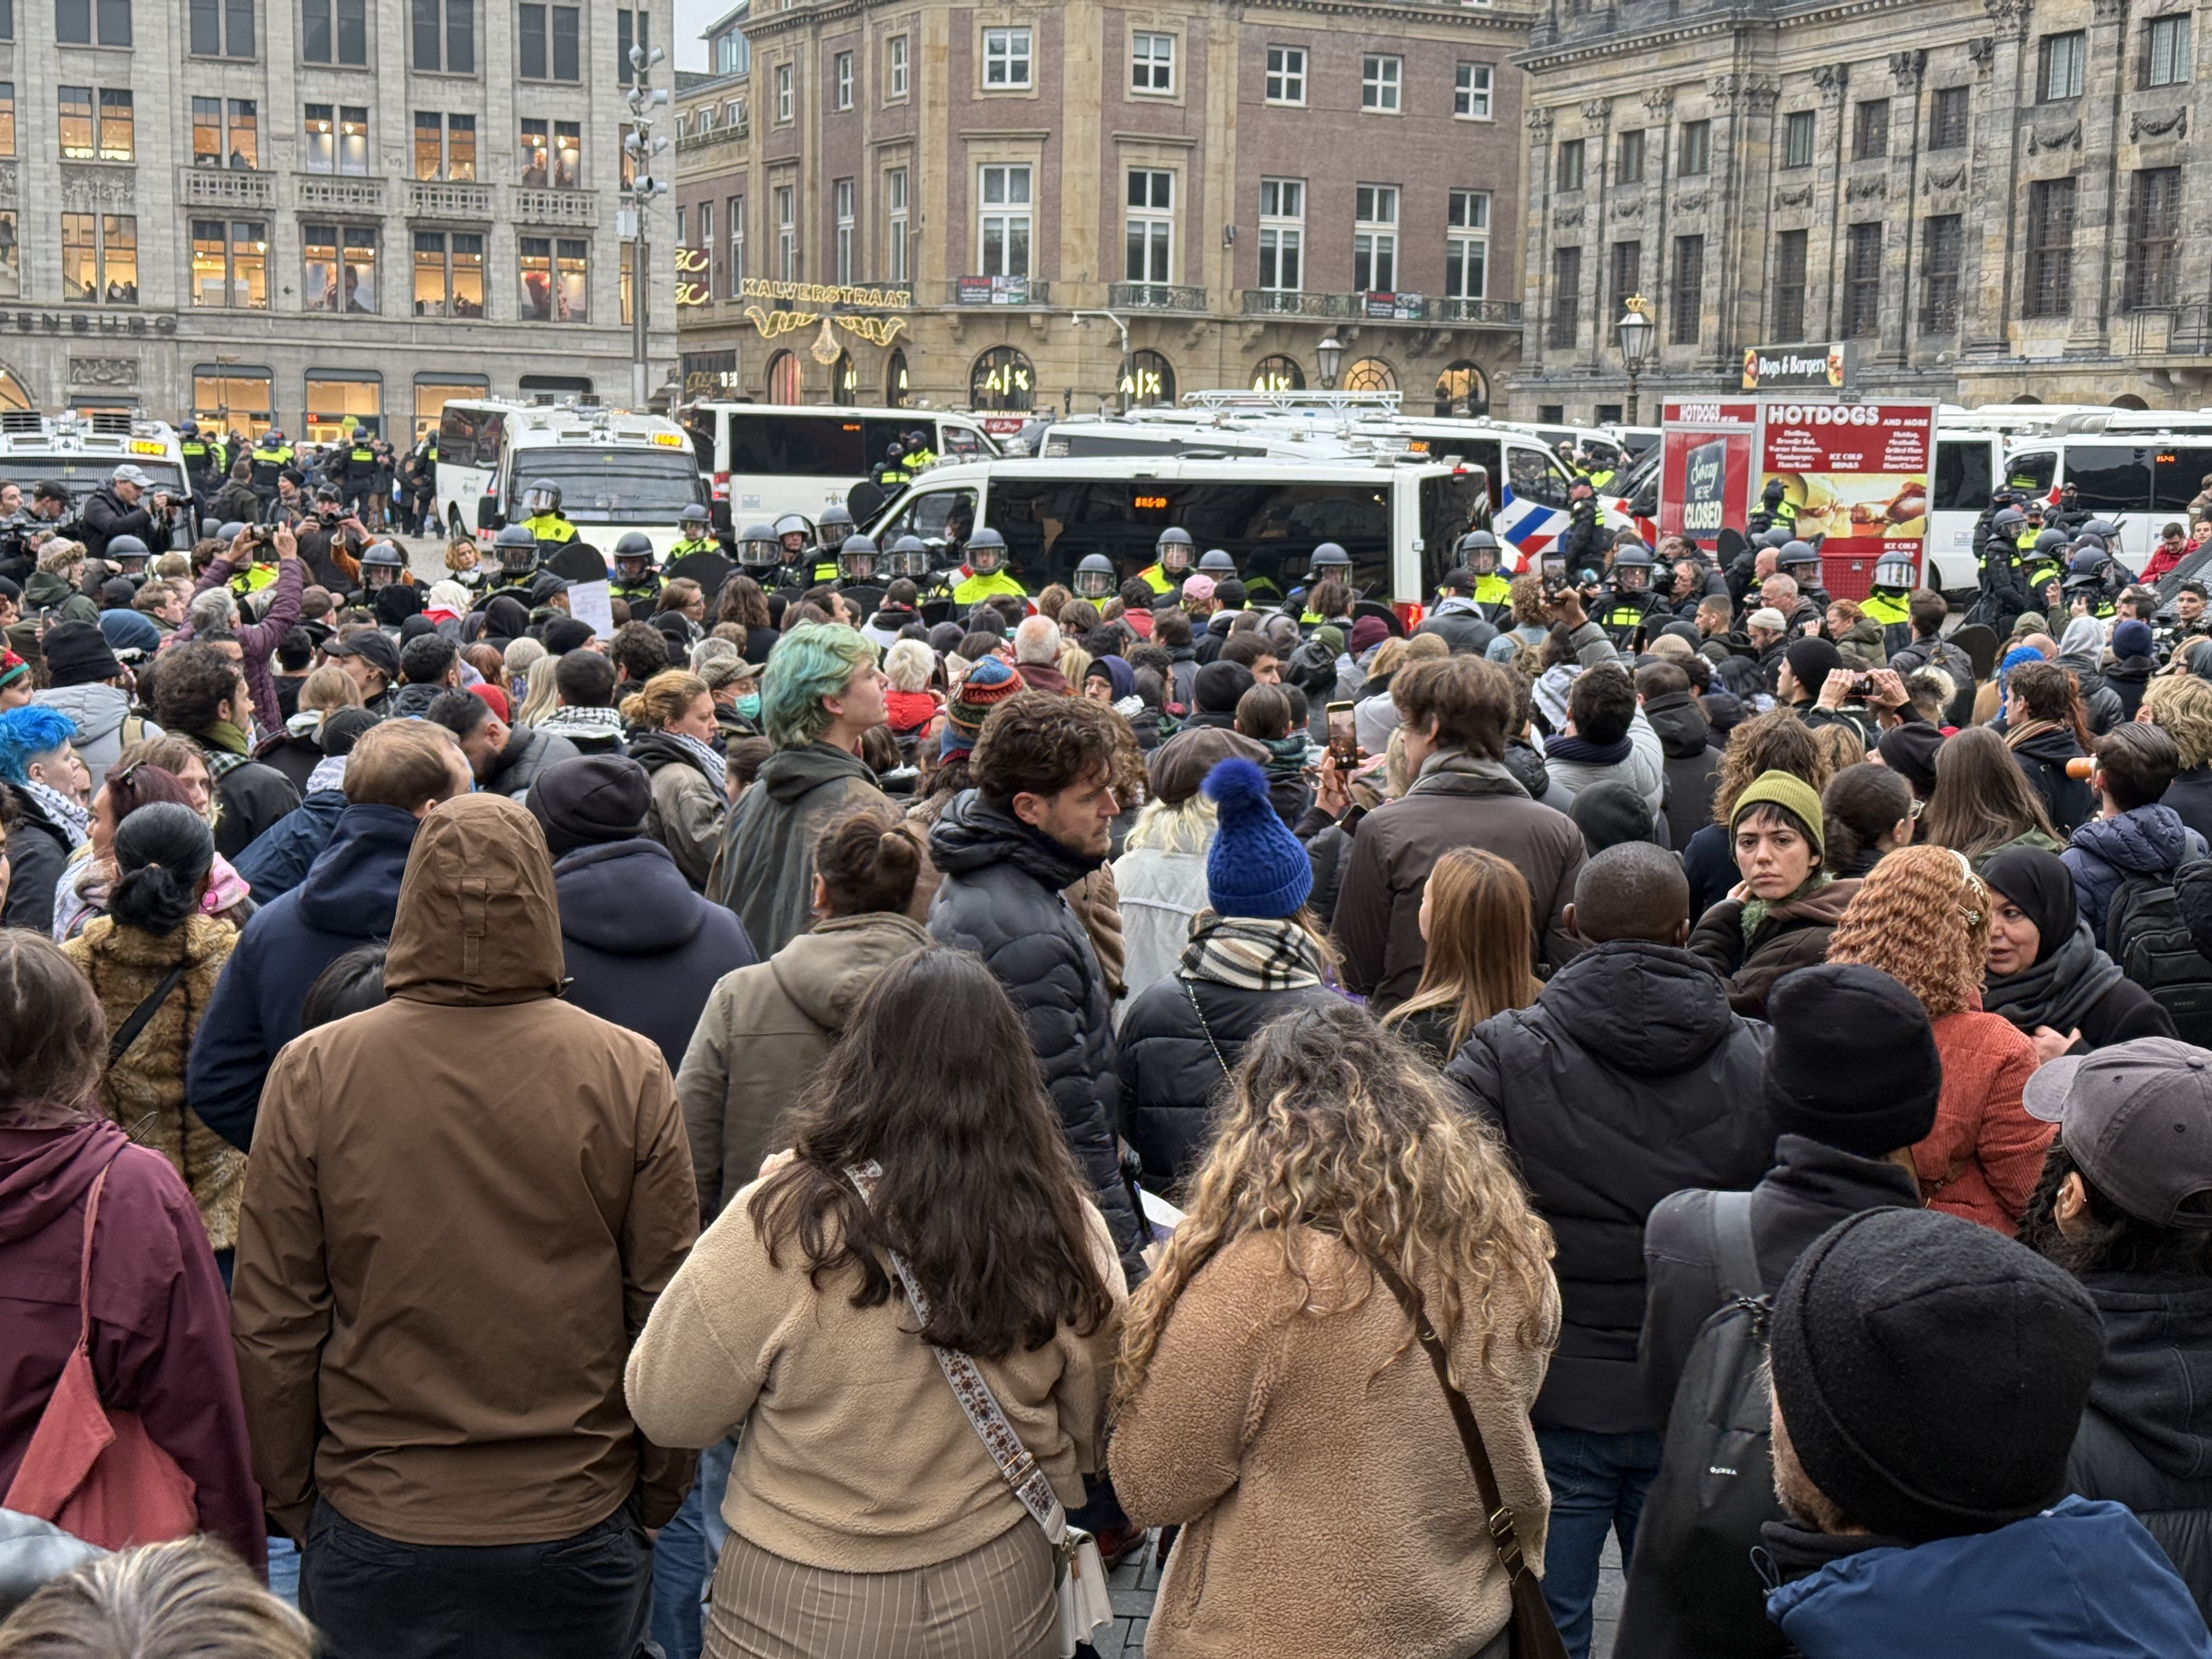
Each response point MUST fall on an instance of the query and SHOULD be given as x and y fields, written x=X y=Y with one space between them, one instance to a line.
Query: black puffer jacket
x=2068 y=801
x=528 y=753
x=1694 y=765
x=2146 y=1439
x=1170 y=1071
x=1000 y=899
x=1629 y=1079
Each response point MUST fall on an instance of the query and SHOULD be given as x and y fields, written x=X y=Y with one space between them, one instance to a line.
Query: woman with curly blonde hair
x=1923 y=917
x=1337 y=1149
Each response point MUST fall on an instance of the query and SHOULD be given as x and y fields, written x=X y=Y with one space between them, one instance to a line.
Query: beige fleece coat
x=856 y=1455
x=1327 y=1503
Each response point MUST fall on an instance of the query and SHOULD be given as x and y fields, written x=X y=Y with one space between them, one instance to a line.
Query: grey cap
x=2137 y=1118
x=128 y=474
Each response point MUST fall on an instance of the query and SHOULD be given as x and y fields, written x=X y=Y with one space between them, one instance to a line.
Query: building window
x=1152 y=63
x=445 y=36
x=1797 y=139
x=220 y=29
x=632 y=28
x=1629 y=167
x=73 y=111
x=1461 y=391
x=2166 y=51
x=895 y=67
x=1470 y=92
x=2063 y=59
x=445 y=146
x=841 y=81
x=896 y=389
x=100 y=258
x=341 y=405
x=1004 y=231
x=1697 y=148
x=735 y=218
x=1943 y=244
x=1148 y=232
x=6 y=117
x=1375 y=239
x=113 y=142
x=1282 y=234
x=11 y=262
x=1380 y=79
x=1467 y=244
x=787 y=95
x=1005 y=58
x=216 y=144
x=449 y=273
x=1278 y=373
x=895 y=224
x=1863 y=280
x=787 y=232
x=1002 y=378
x=1147 y=379
x=734 y=53
x=705 y=244
x=552 y=153
x=353 y=139
x=2050 y=248
x=230 y=265
x=340 y=269
x=733 y=116
x=1687 y=305
x=433 y=393
x=844 y=380
x=681 y=241
x=2154 y=228
x=236 y=400
x=1946 y=118
x=1286 y=75
x=549 y=38
x=76 y=23
x=1870 y=129
x=1370 y=374
x=1565 y=320
x=334 y=31
x=555 y=279
x=1789 y=286
x=1571 y=164
x=841 y=210
x=1626 y=275
x=318 y=130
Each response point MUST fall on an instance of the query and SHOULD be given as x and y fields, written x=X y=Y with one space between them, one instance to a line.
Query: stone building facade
x=1984 y=198
x=1007 y=206
x=303 y=212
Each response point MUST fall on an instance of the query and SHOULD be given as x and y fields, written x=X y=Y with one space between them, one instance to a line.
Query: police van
x=2140 y=469
x=79 y=450
x=764 y=460
x=1400 y=520
x=614 y=469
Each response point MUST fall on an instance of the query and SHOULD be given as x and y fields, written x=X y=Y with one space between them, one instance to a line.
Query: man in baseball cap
x=372 y=661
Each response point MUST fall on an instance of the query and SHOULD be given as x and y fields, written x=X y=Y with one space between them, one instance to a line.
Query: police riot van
x=764 y=460
x=1400 y=520
x=80 y=449
x=616 y=472
x=2140 y=469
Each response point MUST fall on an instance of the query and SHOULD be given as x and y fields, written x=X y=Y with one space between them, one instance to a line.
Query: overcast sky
x=692 y=16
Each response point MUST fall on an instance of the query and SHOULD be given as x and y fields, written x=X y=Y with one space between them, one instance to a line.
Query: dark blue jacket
x=349 y=897
x=277 y=859
x=642 y=951
x=2104 y=852
x=2082 y=1580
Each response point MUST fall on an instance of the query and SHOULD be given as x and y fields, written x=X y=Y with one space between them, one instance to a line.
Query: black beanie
x=1852 y=1062
x=590 y=799
x=1931 y=1373
x=342 y=728
x=1217 y=687
x=565 y=634
x=78 y=654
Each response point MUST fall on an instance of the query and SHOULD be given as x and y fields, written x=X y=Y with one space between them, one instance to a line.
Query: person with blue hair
x=821 y=691
x=43 y=774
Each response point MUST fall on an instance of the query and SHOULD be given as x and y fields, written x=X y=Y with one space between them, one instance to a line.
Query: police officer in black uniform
x=859 y=573
x=515 y=549
x=1582 y=547
x=637 y=584
x=1094 y=579
x=760 y=556
x=1625 y=603
x=1329 y=559
x=1800 y=563
x=383 y=588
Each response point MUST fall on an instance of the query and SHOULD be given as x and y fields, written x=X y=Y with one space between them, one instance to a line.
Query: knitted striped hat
x=989 y=683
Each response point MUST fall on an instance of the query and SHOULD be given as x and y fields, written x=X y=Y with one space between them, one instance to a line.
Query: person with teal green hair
x=822 y=691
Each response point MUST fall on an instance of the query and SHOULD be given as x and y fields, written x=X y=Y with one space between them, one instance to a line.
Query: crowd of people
x=781 y=1128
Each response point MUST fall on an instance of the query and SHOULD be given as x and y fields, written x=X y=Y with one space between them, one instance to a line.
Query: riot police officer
x=890 y=474
x=129 y=555
x=760 y=554
x=2092 y=580
x=1800 y=563
x=515 y=549
x=1329 y=560
x=1094 y=578
x=694 y=533
x=1775 y=510
x=359 y=469
x=636 y=583
x=203 y=460
x=1171 y=561
x=1623 y=605
x=385 y=587
x=1582 y=547
x=908 y=557
x=1217 y=563
x=2047 y=561
x=831 y=529
x=988 y=577
x=269 y=458
x=541 y=514
x=1889 y=605
x=794 y=534
x=1492 y=593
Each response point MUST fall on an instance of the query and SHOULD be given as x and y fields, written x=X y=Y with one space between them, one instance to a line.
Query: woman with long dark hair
x=1474 y=914
x=157 y=951
x=157 y=1332
x=866 y=1514
x=1984 y=802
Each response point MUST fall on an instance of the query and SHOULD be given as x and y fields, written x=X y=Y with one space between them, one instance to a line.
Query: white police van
x=79 y=450
x=616 y=472
x=764 y=460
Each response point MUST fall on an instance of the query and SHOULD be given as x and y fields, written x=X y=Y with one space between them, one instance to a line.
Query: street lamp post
x=1080 y=318
x=1635 y=330
x=641 y=146
x=1330 y=353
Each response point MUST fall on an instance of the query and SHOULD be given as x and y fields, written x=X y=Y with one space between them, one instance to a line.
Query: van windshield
x=611 y=485
x=83 y=474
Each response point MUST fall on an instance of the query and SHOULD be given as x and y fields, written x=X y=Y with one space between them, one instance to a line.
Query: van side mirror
x=488 y=516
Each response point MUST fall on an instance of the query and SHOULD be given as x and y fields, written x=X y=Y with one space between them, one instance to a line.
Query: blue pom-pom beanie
x=1255 y=867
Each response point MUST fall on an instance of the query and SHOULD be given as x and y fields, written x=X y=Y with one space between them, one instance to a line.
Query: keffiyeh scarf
x=702 y=756
x=74 y=822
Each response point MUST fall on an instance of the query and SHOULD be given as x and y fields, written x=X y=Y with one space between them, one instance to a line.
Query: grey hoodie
x=99 y=710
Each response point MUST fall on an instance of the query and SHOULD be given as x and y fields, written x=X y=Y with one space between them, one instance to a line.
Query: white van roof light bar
x=1292 y=402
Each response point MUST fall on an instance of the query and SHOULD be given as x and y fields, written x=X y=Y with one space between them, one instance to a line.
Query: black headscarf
x=2042 y=888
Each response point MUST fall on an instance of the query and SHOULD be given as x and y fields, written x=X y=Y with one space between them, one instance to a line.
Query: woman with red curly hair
x=1923 y=917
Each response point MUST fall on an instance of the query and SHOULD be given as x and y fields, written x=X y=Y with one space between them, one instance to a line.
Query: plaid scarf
x=1250 y=953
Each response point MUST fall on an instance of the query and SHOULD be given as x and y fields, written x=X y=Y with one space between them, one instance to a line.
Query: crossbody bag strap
x=127 y=1033
x=1219 y=1059
x=1499 y=1519
x=1014 y=1460
x=84 y=1260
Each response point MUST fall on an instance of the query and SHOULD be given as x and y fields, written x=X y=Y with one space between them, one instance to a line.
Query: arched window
x=1370 y=374
x=1003 y=379
x=1147 y=379
x=1462 y=390
x=1278 y=373
x=787 y=382
x=12 y=395
x=2129 y=400
x=844 y=380
x=894 y=385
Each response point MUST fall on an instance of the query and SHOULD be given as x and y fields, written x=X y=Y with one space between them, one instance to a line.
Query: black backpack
x=2147 y=933
x=1693 y=1590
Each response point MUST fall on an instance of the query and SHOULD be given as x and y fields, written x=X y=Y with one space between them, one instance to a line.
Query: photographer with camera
x=127 y=505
